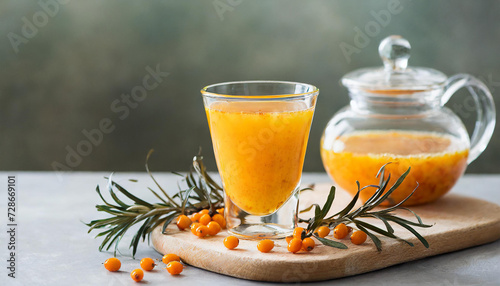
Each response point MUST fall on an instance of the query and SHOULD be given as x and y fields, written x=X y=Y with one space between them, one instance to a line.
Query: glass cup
x=259 y=132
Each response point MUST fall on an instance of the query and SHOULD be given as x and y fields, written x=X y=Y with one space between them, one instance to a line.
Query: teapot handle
x=485 y=107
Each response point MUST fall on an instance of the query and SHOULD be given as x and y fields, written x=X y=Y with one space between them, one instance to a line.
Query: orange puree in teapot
x=436 y=162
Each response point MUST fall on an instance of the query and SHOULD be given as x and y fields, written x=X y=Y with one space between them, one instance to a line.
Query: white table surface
x=53 y=247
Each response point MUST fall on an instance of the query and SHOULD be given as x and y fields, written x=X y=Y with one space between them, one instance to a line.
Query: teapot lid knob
x=395 y=52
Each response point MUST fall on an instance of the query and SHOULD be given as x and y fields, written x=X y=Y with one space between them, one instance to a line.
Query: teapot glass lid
x=395 y=74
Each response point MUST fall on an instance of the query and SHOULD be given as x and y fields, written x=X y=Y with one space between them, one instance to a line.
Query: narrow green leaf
x=386 y=223
x=349 y=207
x=306 y=209
x=415 y=233
x=328 y=203
x=98 y=190
x=188 y=193
x=416 y=216
x=381 y=171
x=405 y=221
x=168 y=220
x=403 y=201
x=374 y=228
x=374 y=238
x=331 y=243
x=130 y=196
x=137 y=237
x=393 y=188
x=154 y=180
x=113 y=195
x=379 y=192
x=158 y=196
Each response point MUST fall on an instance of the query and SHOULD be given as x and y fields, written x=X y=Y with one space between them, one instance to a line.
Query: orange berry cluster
x=296 y=243
x=341 y=231
x=202 y=224
x=173 y=262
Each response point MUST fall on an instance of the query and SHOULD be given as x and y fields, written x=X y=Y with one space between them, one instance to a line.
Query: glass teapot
x=397 y=115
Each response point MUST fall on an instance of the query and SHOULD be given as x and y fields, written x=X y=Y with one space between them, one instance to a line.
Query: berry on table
x=265 y=245
x=358 y=237
x=288 y=238
x=147 y=264
x=213 y=228
x=295 y=245
x=340 y=231
x=297 y=232
x=308 y=244
x=205 y=219
x=220 y=220
x=183 y=222
x=137 y=275
x=174 y=268
x=231 y=242
x=202 y=231
x=323 y=231
x=112 y=264
x=196 y=217
x=194 y=226
x=170 y=257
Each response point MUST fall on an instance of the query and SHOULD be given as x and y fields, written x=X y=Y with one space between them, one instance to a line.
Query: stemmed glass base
x=279 y=224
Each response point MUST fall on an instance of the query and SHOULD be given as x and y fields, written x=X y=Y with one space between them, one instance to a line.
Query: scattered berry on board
x=231 y=242
x=265 y=245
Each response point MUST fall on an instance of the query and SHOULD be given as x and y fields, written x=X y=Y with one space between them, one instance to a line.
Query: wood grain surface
x=458 y=222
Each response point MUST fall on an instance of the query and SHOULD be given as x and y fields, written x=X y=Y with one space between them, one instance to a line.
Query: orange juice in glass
x=259 y=132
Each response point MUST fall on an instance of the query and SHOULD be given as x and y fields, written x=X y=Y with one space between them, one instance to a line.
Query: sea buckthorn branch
x=202 y=192
x=347 y=216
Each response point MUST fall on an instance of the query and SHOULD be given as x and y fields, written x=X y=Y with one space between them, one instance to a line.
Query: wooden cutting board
x=458 y=222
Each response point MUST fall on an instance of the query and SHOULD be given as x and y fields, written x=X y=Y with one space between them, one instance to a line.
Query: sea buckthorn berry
x=213 y=228
x=221 y=211
x=340 y=231
x=147 y=264
x=294 y=245
x=194 y=226
x=231 y=242
x=297 y=232
x=265 y=245
x=205 y=219
x=220 y=220
x=170 y=257
x=175 y=268
x=137 y=275
x=196 y=217
x=308 y=244
x=204 y=211
x=202 y=231
x=112 y=264
x=183 y=222
x=358 y=237
x=323 y=231
x=288 y=238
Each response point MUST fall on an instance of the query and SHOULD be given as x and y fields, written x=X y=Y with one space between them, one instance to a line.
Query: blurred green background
x=64 y=66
